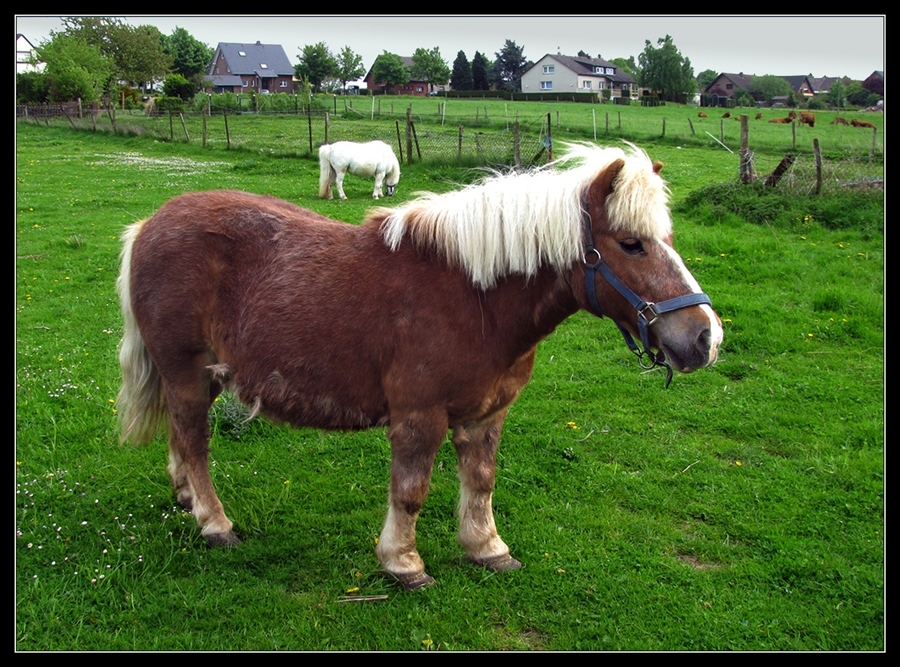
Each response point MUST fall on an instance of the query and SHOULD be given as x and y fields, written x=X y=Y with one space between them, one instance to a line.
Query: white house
x=577 y=74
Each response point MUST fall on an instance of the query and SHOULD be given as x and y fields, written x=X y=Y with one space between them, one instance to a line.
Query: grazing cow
x=783 y=121
x=727 y=114
x=807 y=118
x=861 y=123
x=839 y=121
x=702 y=115
x=759 y=116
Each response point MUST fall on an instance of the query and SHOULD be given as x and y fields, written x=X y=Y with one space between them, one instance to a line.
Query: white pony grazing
x=374 y=158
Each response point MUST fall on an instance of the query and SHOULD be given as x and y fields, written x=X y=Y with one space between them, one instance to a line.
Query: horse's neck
x=531 y=308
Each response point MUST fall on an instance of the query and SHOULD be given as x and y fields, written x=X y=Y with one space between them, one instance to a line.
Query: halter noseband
x=647 y=312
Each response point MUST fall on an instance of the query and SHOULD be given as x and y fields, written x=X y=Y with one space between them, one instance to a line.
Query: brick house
x=250 y=68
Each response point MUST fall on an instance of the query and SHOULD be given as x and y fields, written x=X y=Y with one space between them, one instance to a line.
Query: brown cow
x=807 y=118
x=839 y=121
x=861 y=123
x=702 y=115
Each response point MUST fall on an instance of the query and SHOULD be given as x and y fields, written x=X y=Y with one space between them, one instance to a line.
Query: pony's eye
x=632 y=246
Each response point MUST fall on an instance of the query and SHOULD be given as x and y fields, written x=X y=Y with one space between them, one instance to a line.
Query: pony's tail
x=140 y=405
x=326 y=171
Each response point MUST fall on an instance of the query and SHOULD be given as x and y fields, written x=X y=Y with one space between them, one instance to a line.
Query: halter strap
x=647 y=312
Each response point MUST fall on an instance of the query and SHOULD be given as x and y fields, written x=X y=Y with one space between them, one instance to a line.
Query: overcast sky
x=847 y=45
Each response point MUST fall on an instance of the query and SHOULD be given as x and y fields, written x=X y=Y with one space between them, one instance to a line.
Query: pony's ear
x=604 y=184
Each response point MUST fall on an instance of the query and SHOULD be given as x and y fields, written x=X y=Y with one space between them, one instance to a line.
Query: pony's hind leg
x=476 y=451
x=414 y=444
x=189 y=457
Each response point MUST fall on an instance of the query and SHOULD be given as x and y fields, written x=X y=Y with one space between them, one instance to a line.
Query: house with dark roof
x=249 y=68
x=412 y=87
x=577 y=74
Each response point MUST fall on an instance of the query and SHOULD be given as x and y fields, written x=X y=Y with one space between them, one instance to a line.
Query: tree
x=706 y=77
x=768 y=87
x=316 y=65
x=461 y=77
x=74 y=69
x=628 y=66
x=388 y=71
x=480 y=72
x=665 y=71
x=190 y=56
x=349 y=66
x=509 y=66
x=429 y=66
x=136 y=54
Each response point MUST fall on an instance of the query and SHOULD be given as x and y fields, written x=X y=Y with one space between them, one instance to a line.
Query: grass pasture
x=741 y=509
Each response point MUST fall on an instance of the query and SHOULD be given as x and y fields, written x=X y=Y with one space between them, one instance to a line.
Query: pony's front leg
x=476 y=452
x=414 y=443
x=379 y=181
x=339 y=184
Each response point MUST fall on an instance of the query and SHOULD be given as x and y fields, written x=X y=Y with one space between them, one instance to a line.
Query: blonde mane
x=518 y=222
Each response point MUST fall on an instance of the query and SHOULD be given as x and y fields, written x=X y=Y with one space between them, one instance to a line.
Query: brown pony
x=861 y=123
x=807 y=118
x=424 y=319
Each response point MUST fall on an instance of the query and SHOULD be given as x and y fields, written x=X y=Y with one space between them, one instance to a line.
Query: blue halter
x=647 y=312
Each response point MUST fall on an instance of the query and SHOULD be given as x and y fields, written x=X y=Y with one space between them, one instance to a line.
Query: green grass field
x=741 y=509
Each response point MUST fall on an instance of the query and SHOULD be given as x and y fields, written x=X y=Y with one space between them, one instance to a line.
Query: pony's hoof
x=412 y=581
x=228 y=539
x=503 y=563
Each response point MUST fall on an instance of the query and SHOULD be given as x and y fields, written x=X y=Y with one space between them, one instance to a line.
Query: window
x=549 y=69
x=546 y=85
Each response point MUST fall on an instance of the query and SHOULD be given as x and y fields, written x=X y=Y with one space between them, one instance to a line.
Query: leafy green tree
x=349 y=66
x=665 y=71
x=461 y=77
x=429 y=66
x=137 y=54
x=316 y=64
x=706 y=77
x=481 y=67
x=768 y=87
x=626 y=65
x=509 y=66
x=74 y=69
x=388 y=70
x=190 y=57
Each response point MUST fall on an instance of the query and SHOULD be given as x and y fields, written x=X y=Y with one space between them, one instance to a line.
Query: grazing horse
x=807 y=118
x=861 y=123
x=374 y=158
x=424 y=319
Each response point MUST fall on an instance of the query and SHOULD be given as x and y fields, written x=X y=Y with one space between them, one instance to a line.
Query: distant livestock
x=861 y=123
x=807 y=118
